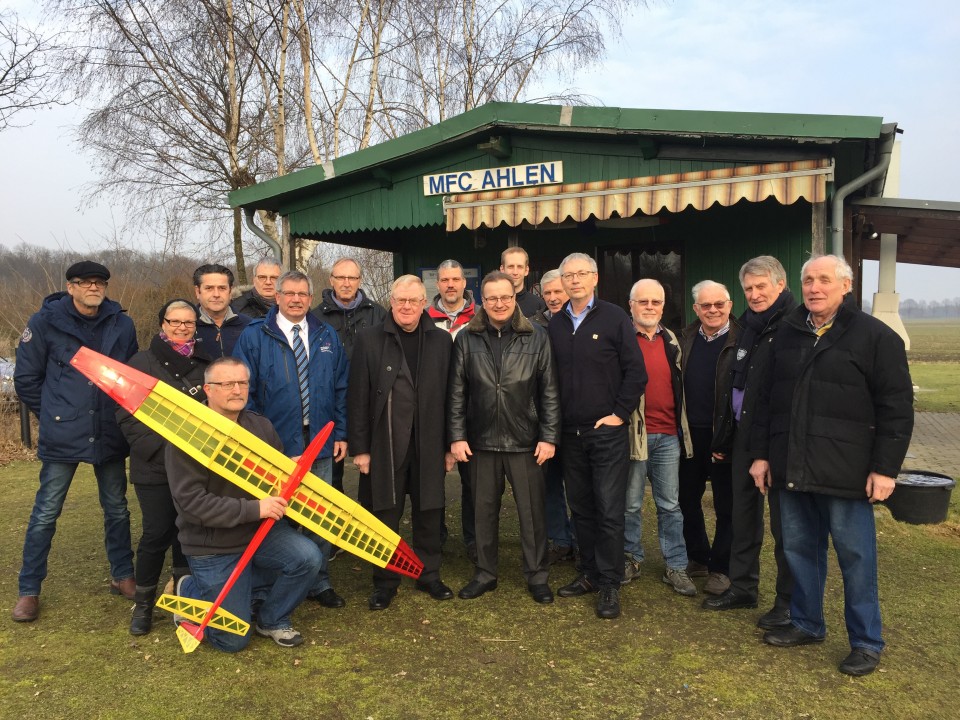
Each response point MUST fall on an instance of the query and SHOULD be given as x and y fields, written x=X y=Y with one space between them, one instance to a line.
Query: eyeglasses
x=715 y=305
x=180 y=323
x=502 y=299
x=402 y=302
x=231 y=384
x=298 y=295
x=86 y=284
x=268 y=278
x=645 y=302
x=582 y=274
x=341 y=278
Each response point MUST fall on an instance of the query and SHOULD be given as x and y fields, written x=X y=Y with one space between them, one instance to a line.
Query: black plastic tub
x=921 y=497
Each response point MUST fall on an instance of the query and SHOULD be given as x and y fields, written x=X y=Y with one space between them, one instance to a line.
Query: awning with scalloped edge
x=787 y=182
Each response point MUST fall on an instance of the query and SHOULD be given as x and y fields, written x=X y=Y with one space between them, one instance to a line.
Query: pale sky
x=847 y=57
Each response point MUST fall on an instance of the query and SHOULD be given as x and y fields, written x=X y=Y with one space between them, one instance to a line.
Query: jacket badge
x=27 y=335
x=741 y=353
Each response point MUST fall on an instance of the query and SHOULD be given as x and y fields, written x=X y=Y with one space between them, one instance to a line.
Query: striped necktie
x=303 y=373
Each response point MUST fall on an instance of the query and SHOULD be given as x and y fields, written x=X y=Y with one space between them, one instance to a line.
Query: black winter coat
x=347 y=323
x=509 y=410
x=374 y=369
x=251 y=304
x=185 y=374
x=757 y=378
x=837 y=407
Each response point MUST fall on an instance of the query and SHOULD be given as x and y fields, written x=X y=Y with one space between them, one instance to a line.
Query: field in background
x=935 y=363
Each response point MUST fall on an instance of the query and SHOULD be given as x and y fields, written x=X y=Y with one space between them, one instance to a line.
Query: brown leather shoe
x=27 y=608
x=126 y=587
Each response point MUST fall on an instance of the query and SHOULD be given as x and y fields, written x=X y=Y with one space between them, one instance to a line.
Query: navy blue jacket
x=77 y=420
x=600 y=365
x=275 y=388
x=216 y=341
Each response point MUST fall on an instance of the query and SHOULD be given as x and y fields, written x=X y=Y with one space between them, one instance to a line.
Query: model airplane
x=242 y=458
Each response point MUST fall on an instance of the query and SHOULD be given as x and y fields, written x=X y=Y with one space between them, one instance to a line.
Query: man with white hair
x=833 y=429
x=764 y=283
x=658 y=436
x=258 y=300
x=709 y=347
x=601 y=380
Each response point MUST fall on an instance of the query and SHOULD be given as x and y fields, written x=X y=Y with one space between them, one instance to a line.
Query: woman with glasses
x=175 y=359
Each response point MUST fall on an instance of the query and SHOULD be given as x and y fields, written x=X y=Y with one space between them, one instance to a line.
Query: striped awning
x=787 y=182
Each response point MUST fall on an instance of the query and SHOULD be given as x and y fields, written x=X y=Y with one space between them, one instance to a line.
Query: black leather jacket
x=510 y=410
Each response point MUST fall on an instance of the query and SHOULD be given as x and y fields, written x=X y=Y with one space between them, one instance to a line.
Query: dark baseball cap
x=87 y=269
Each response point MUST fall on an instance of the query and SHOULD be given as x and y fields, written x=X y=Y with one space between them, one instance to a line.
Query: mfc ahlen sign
x=516 y=176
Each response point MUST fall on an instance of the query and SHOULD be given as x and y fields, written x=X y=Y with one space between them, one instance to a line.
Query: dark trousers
x=487 y=485
x=595 y=464
x=337 y=479
x=694 y=473
x=427 y=524
x=467 y=511
x=747 y=531
x=159 y=535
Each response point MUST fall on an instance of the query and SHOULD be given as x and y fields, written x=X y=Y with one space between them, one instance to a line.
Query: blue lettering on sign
x=503 y=176
x=548 y=171
x=488 y=181
x=465 y=187
x=451 y=178
x=531 y=174
x=437 y=185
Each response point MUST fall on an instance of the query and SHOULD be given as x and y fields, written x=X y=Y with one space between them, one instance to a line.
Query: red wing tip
x=405 y=561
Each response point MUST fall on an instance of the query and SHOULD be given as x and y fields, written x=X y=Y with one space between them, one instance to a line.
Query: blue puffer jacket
x=275 y=390
x=77 y=421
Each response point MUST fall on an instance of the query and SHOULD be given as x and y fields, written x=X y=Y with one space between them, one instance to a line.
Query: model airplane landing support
x=245 y=460
x=191 y=635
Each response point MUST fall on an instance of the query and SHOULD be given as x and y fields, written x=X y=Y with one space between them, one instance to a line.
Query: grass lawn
x=935 y=364
x=500 y=656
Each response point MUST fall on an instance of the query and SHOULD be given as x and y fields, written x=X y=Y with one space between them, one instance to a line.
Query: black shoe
x=475 y=589
x=437 y=590
x=580 y=586
x=860 y=662
x=541 y=593
x=777 y=617
x=142 y=620
x=381 y=598
x=608 y=604
x=790 y=637
x=329 y=599
x=730 y=599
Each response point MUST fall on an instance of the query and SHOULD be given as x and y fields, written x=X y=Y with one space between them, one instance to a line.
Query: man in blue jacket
x=298 y=380
x=77 y=423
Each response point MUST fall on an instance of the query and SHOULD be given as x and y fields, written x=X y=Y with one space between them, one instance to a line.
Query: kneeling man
x=503 y=417
x=217 y=520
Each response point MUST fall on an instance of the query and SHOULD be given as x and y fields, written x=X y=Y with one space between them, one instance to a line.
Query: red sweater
x=660 y=412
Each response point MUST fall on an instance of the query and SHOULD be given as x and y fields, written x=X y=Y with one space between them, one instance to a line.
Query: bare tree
x=26 y=78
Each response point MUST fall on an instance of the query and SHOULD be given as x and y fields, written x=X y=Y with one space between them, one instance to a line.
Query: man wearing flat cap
x=77 y=423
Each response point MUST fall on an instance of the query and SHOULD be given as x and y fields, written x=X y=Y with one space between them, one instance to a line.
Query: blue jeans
x=281 y=573
x=55 y=479
x=559 y=527
x=663 y=464
x=323 y=469
x=808 y=520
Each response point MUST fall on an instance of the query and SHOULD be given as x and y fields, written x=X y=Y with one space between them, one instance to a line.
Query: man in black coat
x=503 y=419
x=395 y=428
x=260 y=299
x=832 y=430
x=764 y=283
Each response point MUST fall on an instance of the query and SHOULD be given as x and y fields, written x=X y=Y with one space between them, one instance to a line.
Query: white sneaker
x=284 y=637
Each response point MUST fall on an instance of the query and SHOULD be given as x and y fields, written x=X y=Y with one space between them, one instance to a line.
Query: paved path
x=936 y=443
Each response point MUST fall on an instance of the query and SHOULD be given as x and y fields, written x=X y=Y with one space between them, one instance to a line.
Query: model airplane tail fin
x=121 y=382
